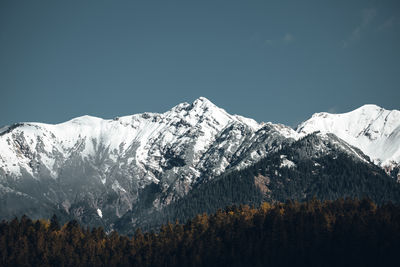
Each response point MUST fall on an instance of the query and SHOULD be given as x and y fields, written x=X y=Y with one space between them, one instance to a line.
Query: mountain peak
x=200 y=103
x=369 y=107
x=202 y=106
x=85 y=119
x=369 y=110
x=203 y=102
x=203 y=99
x=371 y=128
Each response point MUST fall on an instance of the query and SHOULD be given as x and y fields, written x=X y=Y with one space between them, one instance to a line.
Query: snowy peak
x=203 y=102
x=203 y=110
x=109 y=165
x=101 y=170
x=200 y=105
x=143 y=141
x=370 y=120
x=200 y=110
x=374 y=130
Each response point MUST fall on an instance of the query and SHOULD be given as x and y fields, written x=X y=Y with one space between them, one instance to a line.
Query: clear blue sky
x=276 y=61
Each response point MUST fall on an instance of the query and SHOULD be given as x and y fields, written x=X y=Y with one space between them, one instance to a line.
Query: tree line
x=343 y=232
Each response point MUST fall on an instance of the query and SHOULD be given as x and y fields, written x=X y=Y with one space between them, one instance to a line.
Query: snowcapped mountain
x=106 y=164
x=114 y=172
x=152 y=142
x=372 y=129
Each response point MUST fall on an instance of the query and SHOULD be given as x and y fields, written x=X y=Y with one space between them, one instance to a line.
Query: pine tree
x=54 y=224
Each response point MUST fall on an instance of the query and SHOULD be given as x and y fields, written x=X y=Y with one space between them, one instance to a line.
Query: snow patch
x=117 y=187
x=286 y=163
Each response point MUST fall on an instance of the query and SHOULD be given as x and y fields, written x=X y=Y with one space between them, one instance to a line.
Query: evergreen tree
x=54 y=224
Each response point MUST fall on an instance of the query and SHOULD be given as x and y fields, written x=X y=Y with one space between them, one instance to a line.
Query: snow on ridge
x=250 y=122
x=90 y=126
x=372 y=129
x=87 y=134
x=286 y=131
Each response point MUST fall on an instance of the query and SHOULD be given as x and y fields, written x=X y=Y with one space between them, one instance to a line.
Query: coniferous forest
x=344 y=232
x=335 y=176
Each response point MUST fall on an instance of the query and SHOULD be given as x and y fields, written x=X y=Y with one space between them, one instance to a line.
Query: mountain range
x=142 y=169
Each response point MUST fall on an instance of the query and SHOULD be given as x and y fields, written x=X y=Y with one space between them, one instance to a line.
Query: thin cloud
x=286 y=39
x=368 y=15
x=268 y=42
x=389 y=23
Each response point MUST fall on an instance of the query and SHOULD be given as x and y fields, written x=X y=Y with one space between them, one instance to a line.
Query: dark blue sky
x=273 y=61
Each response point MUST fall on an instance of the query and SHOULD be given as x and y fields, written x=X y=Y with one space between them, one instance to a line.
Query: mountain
x=317 y=165
x=370 y=128
x=97 y=170
x=133 y=170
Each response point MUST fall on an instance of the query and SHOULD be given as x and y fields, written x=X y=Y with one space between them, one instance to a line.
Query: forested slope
x=308 y=173
x=331 y=233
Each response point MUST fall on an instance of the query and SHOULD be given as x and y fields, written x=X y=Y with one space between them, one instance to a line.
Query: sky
x=278 y=61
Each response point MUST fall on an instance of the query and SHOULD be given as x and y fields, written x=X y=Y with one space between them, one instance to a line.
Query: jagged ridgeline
x=144 y=169
x=299 y=171
x=331 y=233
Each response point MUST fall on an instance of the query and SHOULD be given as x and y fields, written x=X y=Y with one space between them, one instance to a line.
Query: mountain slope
x=372 y=129
x=89 y=167
x=133 y=170
x=317 y=165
